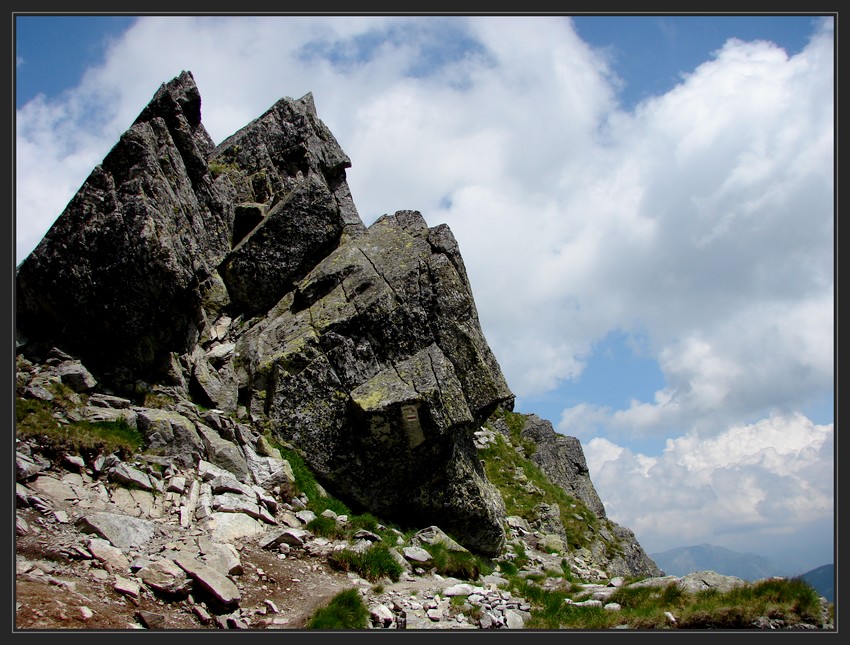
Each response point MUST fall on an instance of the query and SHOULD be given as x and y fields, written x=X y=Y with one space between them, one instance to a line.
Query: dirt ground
x=56 y=592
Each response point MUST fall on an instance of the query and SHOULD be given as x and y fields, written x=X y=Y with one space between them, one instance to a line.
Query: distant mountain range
x=822 y=579
x=706 y=557
x=748 y=566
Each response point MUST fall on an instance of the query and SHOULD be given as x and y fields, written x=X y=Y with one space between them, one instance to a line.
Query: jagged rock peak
x=242 y=276
x=130 y=271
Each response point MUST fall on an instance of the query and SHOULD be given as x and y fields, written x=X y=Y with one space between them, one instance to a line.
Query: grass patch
x=515 y=422
x=326 y=527
x=306 y=483
x=218 y=168
x=373 y=564
x=500 y=463
x=365 y=521
x=457 y=564
x=791 y=601
x=34 y=418
x=345 y=611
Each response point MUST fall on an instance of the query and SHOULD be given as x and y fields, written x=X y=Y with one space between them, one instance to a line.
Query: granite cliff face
x=240 y=278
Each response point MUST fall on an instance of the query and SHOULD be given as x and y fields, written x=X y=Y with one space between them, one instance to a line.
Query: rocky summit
x=226 y=304
x=242 y=276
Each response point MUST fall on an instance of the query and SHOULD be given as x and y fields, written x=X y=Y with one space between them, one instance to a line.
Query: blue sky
x=644 y=205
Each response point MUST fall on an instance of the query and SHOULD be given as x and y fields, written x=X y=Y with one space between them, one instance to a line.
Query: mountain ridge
x=240 y=277
x=748 y=566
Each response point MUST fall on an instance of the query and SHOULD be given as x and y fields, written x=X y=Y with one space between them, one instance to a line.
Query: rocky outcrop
x=562 y=459
x=117 y=279
x=241 y=277
x=574 y=525
x=375 y=365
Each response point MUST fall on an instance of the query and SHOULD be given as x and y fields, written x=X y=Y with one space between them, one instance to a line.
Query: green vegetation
x=515 y=422
x=34 y=418
x=457 y=564
x=792 y=601
x=345 y=611
x=159 y=400
x=373 y=564
x=326 y=527
x=501 y=461
x=319 y=501
x=218 y=168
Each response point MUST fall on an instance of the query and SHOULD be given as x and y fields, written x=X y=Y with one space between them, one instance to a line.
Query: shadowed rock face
x=377 y=366
x=116 y=279
x=242 y=274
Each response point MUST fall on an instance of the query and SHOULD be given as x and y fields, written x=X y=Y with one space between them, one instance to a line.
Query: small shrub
x=305 y=481
x=366 y=521
x=373 y=564
x=457 y=564
x=345 y=611
x=325 y=527
x=218 y=168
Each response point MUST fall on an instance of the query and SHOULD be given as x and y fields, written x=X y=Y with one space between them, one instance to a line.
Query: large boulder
x=376 y=367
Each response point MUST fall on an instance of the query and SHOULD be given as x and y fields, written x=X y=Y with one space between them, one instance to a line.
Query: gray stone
x=75 y=462
x=127 y=587
x=150 y=619
x=129 y=476
x=461 y=589
x=59 y=491
x=171 y=432
x=222 y=589
x=306 y=516
x=21 y=525
x=233 y=527
x=381 y=616
x=416 y=554
x=268 y=471
x=228 y=483
x=100 y=400
x=26 y=467
x=122 y=531
x=434 y=535
x=224 y=454
x=222 y=557
x=233 y=503
x=94 y=414
x=513 y=619
x=75 y=376
x=703 y=580
x=108 y=554
x=166 y=578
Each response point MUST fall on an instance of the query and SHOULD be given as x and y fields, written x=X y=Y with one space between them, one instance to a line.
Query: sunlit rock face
x=242 y=276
